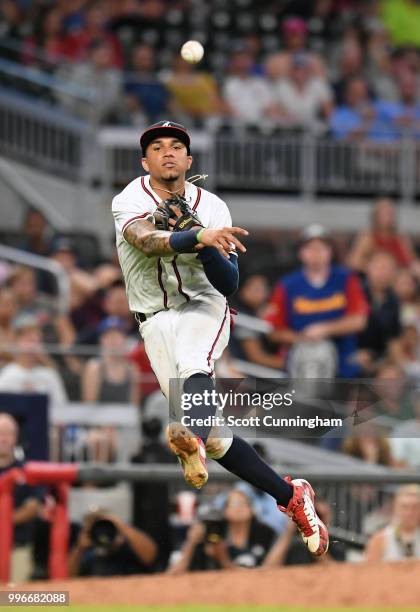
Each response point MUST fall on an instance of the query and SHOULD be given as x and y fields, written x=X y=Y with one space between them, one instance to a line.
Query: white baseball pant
x=185 y=341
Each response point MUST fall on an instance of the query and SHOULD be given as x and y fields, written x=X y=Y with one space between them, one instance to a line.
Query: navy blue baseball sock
x=197 y=385
x=242 y=460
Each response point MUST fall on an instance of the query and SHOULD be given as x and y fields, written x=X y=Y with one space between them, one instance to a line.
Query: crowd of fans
x=348 y=65
x=341 y=313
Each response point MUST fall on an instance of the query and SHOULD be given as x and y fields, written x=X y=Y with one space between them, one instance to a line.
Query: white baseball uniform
x=188 y=320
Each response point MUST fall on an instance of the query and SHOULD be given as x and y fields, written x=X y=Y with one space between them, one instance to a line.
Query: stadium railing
x=44 y=137
x=336 y=488
x=46 y=264
x=306 y=162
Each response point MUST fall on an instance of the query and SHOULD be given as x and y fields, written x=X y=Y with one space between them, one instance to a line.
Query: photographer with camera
x=106 y=546
x=234 y=538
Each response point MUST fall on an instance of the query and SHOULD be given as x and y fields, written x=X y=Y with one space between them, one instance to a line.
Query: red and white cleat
x=191 y=453
x=302 y=511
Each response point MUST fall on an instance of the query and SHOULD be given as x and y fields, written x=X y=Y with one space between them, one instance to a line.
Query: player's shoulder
x=133 y=192
x=211 y=198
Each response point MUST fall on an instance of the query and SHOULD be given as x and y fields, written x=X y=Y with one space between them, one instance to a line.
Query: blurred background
x=306 y=117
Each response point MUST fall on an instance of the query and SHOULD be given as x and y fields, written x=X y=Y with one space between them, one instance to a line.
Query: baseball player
x=179 y=255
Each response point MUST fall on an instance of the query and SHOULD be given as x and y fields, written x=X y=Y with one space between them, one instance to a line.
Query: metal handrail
x=34 y=75
x=29 y=194
x=171 y=473
x=34 y=51
x=42 y=263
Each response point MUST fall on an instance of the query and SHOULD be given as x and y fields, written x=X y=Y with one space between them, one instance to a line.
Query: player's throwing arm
x=144 y=236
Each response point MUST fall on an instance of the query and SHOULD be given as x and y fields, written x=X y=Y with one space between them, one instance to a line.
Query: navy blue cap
x=110 y=323
x=164 y=128
x=62 y=243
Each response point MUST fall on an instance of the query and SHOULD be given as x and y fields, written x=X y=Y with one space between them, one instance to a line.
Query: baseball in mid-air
x=192 y=51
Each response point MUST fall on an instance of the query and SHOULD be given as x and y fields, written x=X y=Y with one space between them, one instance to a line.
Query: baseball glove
x=186 y=221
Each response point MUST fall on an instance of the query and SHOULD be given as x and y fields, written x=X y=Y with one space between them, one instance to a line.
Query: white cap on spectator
x=315 y=231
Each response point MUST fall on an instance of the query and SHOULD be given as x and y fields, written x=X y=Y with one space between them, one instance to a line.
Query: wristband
x=184 y=242
x=200 y=233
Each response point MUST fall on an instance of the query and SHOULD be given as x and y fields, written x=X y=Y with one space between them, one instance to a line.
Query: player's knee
x=218 y=446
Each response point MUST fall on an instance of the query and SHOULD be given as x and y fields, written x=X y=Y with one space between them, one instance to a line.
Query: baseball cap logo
x=164 y=128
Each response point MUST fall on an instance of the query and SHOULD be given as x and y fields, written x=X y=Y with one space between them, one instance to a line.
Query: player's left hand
x=182 y=220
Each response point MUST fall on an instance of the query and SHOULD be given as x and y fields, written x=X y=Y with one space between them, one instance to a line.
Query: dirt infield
x=387 y=585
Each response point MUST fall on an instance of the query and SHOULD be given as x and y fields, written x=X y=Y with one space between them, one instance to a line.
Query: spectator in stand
x=73 y=13
x=36 y=233
x=404 y=439
x=48 y=40
x=195 y=93
x=350 y=67
x=32 y=371
x=83 y=284
x=369 y=447
x=383 y=323
x=111 y=378
x=407 y=290
x=321 y=307
x=390 y=385
x=27 y=501
x=289 y=550
x=111 y=303
x=383 y=234
x=384 y=64
x=12 y=29
x=406 y=352
x=97 y=76
x=147 y=94
x=235 y=539
x=106 y=546
x=264 y=506
x=56 y=328
x=115 y=304
x=22 y=283
x=403 y=116
x=301 y=98
x=37 y=237
x=8 y=310
x=356 y=119
x=400 y=540
x=245 y=343
x=247 y=96
x=295 y=38
x=93 y=28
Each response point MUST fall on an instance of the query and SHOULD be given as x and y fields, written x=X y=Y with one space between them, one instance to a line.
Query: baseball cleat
x=191 y=453
x=302 y=511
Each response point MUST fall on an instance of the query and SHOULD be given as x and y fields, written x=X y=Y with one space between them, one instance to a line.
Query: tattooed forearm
x=144 y=236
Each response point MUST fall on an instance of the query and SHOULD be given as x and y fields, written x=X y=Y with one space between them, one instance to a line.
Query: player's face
x=167 y=159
